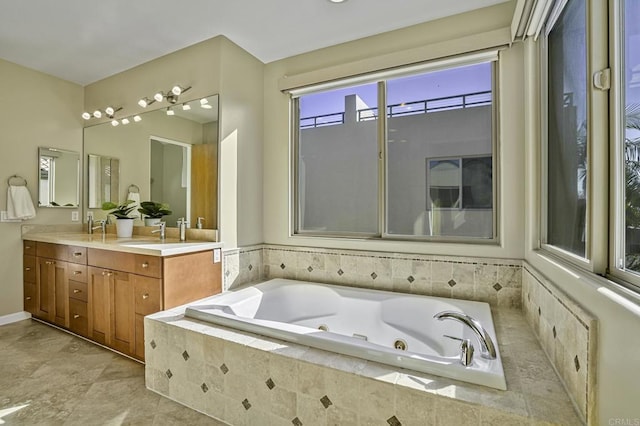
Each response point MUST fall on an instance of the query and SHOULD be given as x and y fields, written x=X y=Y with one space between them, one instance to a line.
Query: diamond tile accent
x=282 y=266
x=204 y=387
x=529 y=297
x=227 y=273
x=309 y=269
x=246 y=404
x=452 y=283
x=250 y=267
x=497 y=287
x=270 y=384
x=576 y=362
x=410 y=278
x=393 y=421
x=296 y=422
x=224 y=368
x=539 y=311
x=554 y=332
x=185 y=355
x=169 y=373
x=340 y=272
x=374 y=275
x=326 y=402
x=153 y=344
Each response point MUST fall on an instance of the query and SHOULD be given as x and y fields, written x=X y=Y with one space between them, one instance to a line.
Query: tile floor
x=49 y=377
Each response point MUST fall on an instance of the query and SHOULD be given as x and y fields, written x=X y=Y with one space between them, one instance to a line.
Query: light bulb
x=137 y=118
x=143 y=102
x=204 y=101
x=109 y=110
x=186 y=107
x=176 y=90
x=86 y=115
x=114 y=123
x=206 y=106
x=97 y=113
x=125 y=121
x=170 y=111
x=158 y=96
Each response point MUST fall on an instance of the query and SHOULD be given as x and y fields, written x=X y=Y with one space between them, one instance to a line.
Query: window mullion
x=382 y=157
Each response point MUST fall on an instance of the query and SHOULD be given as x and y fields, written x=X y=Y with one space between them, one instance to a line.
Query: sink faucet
x=487 y=348
x=102 y=224
x=162 y=226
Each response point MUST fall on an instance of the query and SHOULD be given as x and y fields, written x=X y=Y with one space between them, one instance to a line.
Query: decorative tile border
x=567 y=334
x=496 y=281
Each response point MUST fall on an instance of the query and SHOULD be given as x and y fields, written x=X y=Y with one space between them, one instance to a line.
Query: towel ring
x=23 y=183
x=133 y=189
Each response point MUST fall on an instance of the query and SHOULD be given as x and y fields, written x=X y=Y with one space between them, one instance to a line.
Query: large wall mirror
x=168 y=155
x=58 y=178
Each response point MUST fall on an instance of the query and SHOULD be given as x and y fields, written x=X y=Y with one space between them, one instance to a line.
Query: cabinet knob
x=77 y=254
x=77 y=272
x=107 y=273
x=145 y=264
x=76 y=291
x=27 y=268
x=27 y=298
x=27 y=247
x=145 y=296
x=49 y=262
x=76 y=316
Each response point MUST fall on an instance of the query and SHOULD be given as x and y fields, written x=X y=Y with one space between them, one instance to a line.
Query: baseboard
x=18 y=316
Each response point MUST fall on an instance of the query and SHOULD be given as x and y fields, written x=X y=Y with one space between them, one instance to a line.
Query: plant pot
x=124 y=228
x=152 y=221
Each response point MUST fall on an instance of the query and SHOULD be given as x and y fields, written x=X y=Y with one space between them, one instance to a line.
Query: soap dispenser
x=182 y=225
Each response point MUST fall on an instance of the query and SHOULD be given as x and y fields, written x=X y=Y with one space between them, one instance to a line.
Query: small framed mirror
x=58 y=178
x=103 y=180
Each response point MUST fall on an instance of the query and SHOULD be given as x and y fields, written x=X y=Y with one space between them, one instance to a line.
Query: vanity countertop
x=139 y=244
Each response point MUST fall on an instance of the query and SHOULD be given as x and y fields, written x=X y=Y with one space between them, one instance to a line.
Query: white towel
x=19 y=203
x=135 y=197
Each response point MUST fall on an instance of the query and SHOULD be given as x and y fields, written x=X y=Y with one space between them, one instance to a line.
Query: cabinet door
x=147 y=300
x=98 y=304
x=45 y=277
x=122 y=319
x=60 y=294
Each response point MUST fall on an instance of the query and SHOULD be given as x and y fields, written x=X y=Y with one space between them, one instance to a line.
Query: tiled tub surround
x=246 y=379
x=567 y=334
x=495 y=281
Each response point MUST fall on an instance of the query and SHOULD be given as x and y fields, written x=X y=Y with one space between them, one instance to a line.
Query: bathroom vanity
x=102 y=287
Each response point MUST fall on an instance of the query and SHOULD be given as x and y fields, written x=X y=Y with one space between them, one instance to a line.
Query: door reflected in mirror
x=189 y=124
x=103 y=180
x=58 y=178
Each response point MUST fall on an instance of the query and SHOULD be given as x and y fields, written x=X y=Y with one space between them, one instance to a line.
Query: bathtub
x=391 y=328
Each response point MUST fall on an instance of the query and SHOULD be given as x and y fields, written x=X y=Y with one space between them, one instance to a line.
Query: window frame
x=381 y=77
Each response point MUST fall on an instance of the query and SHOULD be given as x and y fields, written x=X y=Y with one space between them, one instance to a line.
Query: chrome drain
x=323 y=327
x=400 y=344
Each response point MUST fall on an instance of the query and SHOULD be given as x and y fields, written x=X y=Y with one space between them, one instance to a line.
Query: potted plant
x=153 y=212
x=124 y=222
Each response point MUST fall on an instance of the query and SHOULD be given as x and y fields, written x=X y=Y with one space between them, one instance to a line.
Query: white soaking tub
x=368 y=324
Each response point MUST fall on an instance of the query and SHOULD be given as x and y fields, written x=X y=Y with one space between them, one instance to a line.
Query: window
x=566 y=118
x=423 y=169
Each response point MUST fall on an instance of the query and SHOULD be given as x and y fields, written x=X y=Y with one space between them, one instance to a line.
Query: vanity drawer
x=78 y=290
x=150 y=266
x=77 y=272
x=30 y=297
x=113 y=260
x=78 y=320
x=29 y=268
x=146 y=293
x=29 y=248
x=77 y=255
x=52 y=251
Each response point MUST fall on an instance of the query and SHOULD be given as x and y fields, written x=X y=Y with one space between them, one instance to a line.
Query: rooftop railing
x=425 y=106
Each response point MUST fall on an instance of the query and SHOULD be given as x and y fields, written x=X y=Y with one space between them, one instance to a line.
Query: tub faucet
x=162 y=226
x=487 y=348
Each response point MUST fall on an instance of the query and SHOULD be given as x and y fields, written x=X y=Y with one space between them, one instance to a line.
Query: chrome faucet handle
x=102 y=225
x=466 y=350
x=162 y=229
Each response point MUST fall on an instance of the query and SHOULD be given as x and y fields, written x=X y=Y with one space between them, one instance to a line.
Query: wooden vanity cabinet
x=104 y=295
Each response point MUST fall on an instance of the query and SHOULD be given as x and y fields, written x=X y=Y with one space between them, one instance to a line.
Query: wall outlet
x=74 y=216
x=3 y=217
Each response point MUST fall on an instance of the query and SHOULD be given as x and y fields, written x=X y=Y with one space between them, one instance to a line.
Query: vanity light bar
x=108 y=112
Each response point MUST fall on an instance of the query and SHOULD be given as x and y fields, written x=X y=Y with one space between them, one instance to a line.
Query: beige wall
x=38 y=110
x=454 y=34
x=215 y=66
